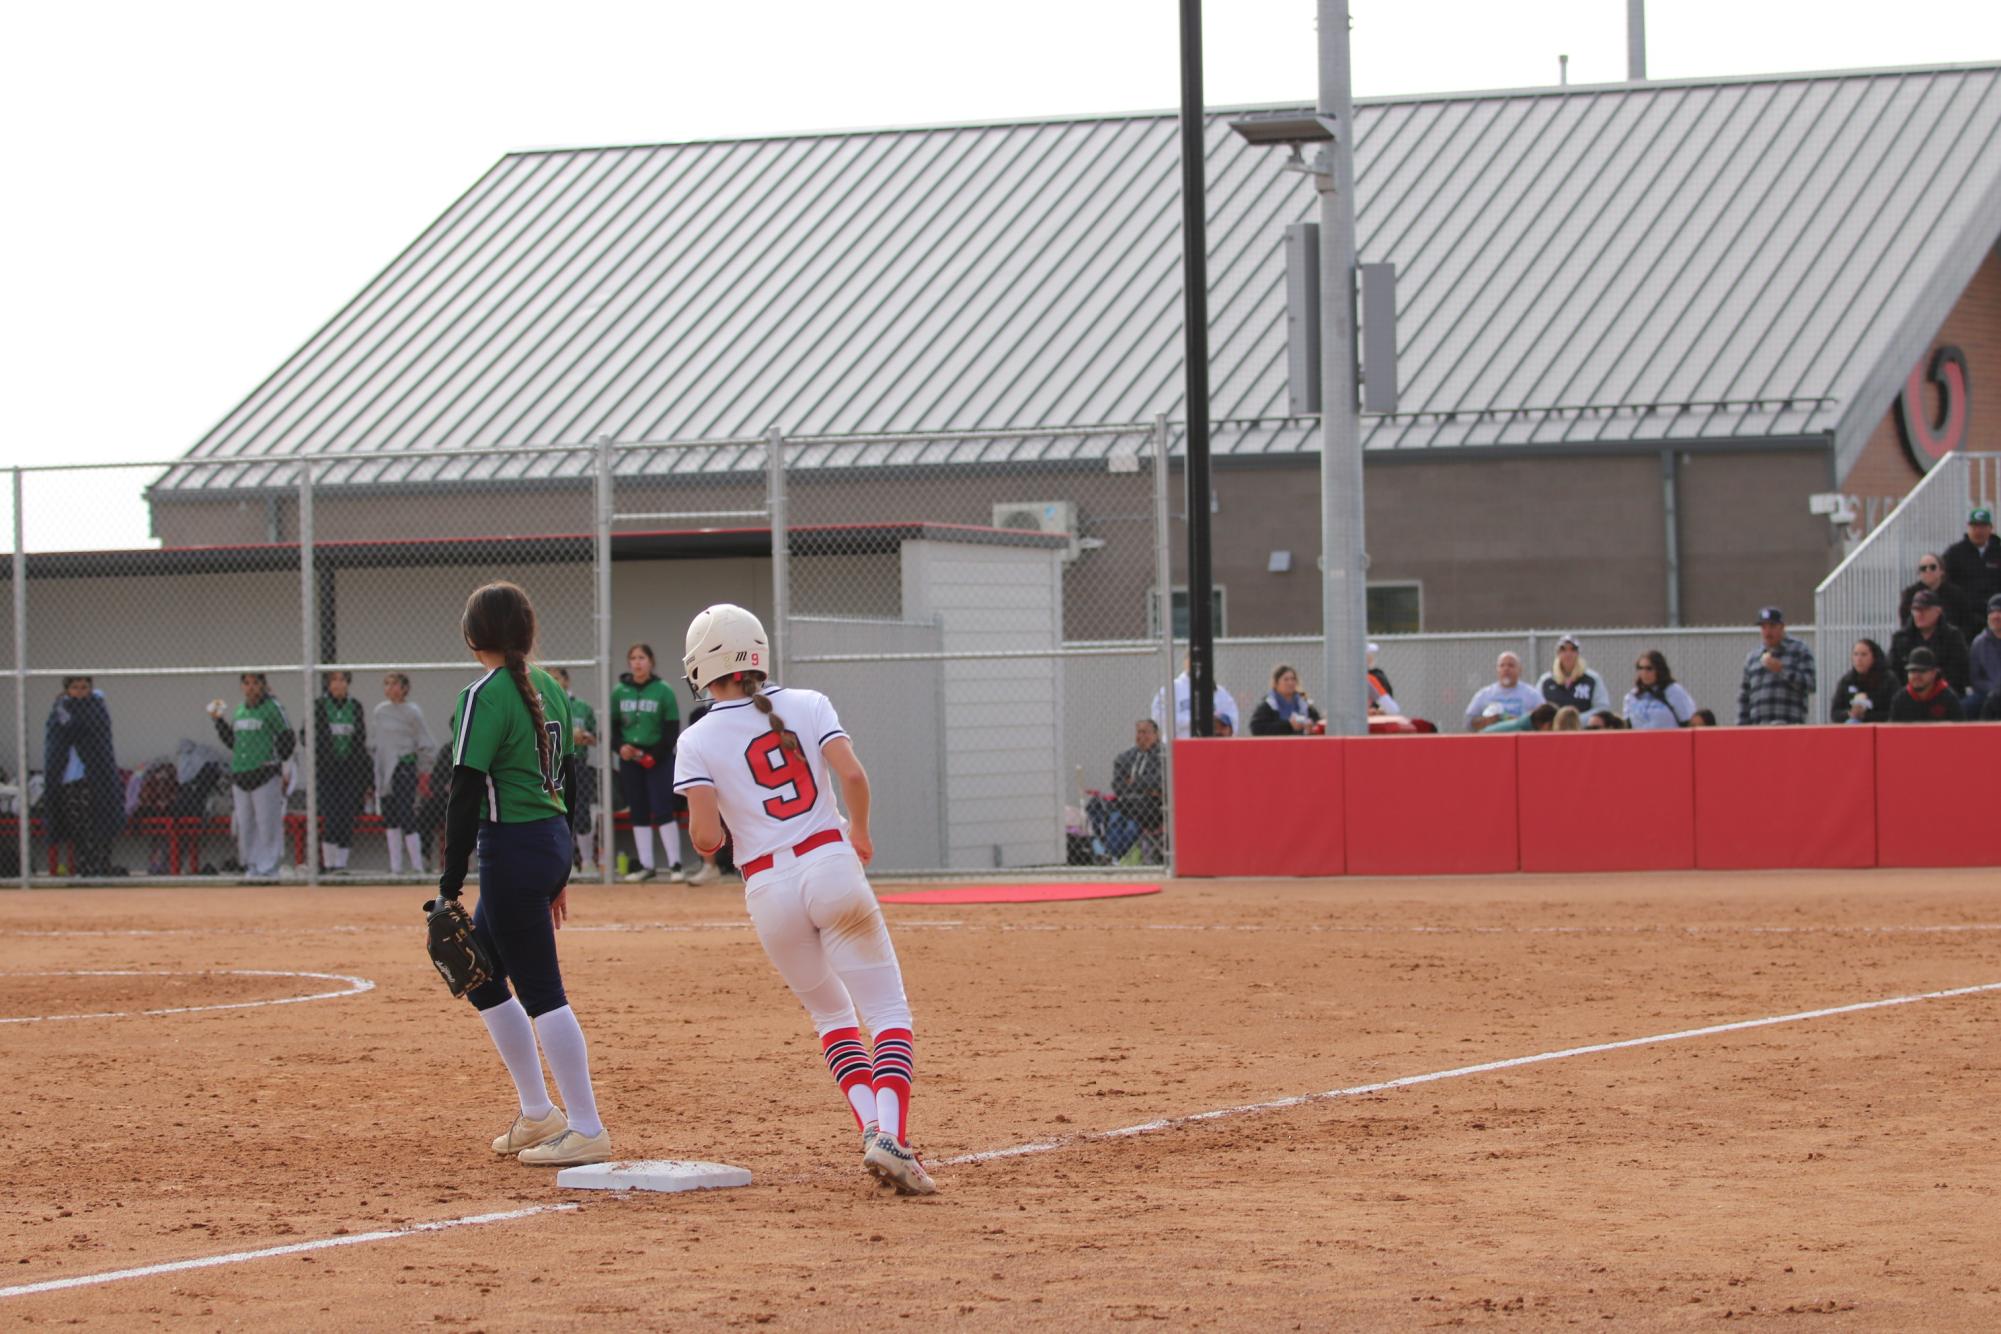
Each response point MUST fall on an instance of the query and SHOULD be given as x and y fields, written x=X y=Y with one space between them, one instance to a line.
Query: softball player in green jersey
x=259 y=737
x=512 y=766
x=584 y=804
x=340 y=739
x=645 y=721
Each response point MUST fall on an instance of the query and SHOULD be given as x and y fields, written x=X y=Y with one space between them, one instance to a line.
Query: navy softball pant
x=648 y=793
x=522 y=868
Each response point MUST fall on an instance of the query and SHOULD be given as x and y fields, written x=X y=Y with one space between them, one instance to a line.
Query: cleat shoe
x=897 y=1165
x=676 y=876
x=526 y=1134
x=570 y=1149
x=706 y=874
x=868 y=1137
x=641 y=876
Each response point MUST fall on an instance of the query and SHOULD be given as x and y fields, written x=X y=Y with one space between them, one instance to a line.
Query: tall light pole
x=1344 y=602
x=1195 y=342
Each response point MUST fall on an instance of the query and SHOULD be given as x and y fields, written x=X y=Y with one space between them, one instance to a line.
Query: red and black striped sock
x=848 y=1059
x=895 y=1065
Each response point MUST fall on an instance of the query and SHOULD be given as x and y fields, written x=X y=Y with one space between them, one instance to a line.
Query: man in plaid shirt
x=1778 y=676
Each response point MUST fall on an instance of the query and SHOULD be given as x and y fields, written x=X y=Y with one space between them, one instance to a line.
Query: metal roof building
x=1748 y=265
x=1673 y=261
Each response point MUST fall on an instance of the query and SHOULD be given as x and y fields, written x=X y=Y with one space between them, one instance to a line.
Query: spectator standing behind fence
x=1657 y=702
x=1507 y=698
x=1930 y=629
x=1571 y=683
x=645 y=725
x=1863 y=694
x=1286 y=711
x=1222 y=706
x=1778 y=679
x=1973 y=564
x=1926 y=696
x=1951 y=598
x=259 y=737
x=340 y=740
x=1984 y=662
x=83 y=796
x=401 y=742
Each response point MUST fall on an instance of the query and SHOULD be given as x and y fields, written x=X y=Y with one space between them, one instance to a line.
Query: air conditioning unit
x=1041 y=516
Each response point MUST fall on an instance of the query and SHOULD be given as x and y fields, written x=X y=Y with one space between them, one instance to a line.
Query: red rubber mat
x=1019 y=893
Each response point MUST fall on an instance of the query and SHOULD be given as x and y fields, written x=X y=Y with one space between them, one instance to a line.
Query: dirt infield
x=1840 y=1168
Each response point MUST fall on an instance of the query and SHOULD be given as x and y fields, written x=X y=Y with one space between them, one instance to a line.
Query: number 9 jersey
x=772 y=798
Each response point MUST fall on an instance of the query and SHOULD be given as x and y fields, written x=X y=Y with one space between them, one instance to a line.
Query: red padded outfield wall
x=1727 y=798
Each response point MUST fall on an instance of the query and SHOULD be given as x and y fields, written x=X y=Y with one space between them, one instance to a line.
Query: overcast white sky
x=195 y=187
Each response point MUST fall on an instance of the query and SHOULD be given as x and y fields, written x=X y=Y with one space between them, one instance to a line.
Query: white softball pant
x=260 y=826
x=819 y=924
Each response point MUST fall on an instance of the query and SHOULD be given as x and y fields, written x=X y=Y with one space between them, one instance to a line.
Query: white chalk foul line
x=1458 y=1072
x=355 y=986
x=271 y=1252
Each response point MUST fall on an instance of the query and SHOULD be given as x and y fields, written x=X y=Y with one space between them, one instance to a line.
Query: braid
x=762 y=703
x=517 y=668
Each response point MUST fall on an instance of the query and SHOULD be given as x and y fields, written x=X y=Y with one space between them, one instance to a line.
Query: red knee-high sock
x=848 y=1059
x=895 y=1064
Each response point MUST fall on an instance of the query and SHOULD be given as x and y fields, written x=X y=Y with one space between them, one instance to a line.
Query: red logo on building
x=1925 y=441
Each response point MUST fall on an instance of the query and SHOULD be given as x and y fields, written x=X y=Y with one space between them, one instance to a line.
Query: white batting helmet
x=725 y=639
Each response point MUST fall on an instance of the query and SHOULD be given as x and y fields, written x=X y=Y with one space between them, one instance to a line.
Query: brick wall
x=1884 y=469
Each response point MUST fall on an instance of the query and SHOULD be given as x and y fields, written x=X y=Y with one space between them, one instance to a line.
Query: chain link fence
x=983 y=607
x=968 y=599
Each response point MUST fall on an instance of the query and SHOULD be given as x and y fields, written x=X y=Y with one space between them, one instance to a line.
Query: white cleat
x=705 y=874
x=526 y=1133
x=572 y=1148
x=897 y=1165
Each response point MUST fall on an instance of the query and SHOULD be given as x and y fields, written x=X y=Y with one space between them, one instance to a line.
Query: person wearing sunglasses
x=1951 y=597
x=1657 y=702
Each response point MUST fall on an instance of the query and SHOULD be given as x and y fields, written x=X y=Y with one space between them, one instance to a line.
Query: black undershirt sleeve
x=461 y=828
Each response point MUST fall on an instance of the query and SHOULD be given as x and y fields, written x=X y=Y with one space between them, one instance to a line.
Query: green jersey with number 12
x=493 y=732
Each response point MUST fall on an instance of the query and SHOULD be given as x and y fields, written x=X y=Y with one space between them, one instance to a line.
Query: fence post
x=1163 y=575
x=607 y=841
x=21 y=685
x=309 y=656
x=781 y=556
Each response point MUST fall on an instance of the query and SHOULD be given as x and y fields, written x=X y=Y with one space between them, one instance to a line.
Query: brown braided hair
x=500 y=619
x=762 y=703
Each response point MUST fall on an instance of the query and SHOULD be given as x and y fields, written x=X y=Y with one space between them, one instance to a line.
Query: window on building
x=1216 y=620
x=1396 y=609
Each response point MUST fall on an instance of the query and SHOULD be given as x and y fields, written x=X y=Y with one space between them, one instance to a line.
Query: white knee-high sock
x=327 y=858
x=570 y=1060
x=395 y=851
x=514 y=1037
x=586 y=847
x=670 y=845
x=642 y=835
x=415 y=843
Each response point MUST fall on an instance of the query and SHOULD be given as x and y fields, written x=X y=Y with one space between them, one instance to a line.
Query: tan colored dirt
x=1835 y=1173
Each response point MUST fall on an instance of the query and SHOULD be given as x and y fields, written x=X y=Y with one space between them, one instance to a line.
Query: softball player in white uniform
x=760 y=761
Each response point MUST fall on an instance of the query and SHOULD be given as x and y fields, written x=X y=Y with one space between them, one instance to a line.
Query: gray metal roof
x=1771 y=253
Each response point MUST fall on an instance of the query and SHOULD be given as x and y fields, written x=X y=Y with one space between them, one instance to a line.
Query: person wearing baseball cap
x=1572 y=682
x=1925 y=698
x=1984 y=663
x=1929 y=629
x=1778 y=681
x=1973 y=563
